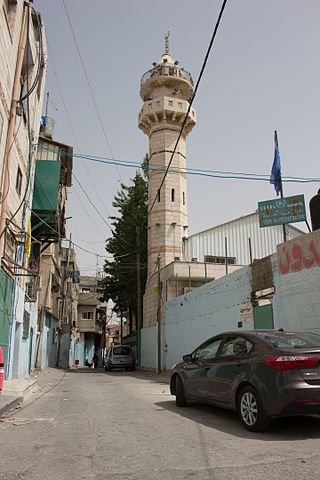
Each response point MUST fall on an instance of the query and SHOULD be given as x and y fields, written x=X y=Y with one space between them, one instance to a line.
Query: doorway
x=263 y=317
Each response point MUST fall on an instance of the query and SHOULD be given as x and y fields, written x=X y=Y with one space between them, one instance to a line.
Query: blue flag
x=275 y=177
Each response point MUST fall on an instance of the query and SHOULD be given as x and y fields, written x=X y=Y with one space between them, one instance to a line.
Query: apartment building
x=22 y=79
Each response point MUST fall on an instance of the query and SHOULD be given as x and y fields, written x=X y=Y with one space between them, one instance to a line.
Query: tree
x=120 y=283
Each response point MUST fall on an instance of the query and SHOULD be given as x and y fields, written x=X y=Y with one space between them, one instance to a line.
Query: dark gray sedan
x=260 y=374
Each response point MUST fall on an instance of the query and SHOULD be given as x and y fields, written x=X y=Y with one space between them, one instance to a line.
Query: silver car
x=120 y=356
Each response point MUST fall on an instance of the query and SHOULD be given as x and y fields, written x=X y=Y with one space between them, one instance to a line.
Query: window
x=26 y=325
x=291 y=340
x=235 y=346
x=170 y=102
x=121 y=351
x=158 y=195
x=219 y=260
x=172 y=195
x=87 y=315
x=208 y=349
x=183 y=198
x=19 y=181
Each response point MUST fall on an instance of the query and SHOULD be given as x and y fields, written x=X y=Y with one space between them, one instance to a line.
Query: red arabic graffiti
x=295 y=256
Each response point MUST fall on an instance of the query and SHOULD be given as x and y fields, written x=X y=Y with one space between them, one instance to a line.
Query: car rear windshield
x=291 y=340
x=121 y=351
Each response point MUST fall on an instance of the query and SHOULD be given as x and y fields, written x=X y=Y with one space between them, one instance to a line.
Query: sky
x=262 y=75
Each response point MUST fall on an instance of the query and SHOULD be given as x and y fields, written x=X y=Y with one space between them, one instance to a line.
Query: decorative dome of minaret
x=167 y=72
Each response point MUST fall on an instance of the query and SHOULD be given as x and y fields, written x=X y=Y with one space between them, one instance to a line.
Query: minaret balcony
x=169 y=75
x=168 y=110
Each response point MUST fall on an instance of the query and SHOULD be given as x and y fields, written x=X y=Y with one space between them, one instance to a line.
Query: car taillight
x=287 y=362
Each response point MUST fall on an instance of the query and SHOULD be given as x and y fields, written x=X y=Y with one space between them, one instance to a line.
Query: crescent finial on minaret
x=166 y=42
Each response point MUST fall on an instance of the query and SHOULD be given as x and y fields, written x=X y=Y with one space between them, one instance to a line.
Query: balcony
x=46 y=219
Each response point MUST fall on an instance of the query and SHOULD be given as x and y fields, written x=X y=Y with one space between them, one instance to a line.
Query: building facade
x=22 y=79
x=241 y=240
x=91 y=322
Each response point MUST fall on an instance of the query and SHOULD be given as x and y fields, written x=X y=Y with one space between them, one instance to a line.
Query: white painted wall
x=296 y=303
x=148 y=347
x=22 y=359
x=204 y=312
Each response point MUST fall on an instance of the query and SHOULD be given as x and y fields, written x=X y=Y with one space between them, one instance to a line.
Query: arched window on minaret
x=158 y=195
x=172 y=195
x=183 y=198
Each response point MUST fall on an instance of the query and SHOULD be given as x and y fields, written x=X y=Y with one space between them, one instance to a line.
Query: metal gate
x=263 y=316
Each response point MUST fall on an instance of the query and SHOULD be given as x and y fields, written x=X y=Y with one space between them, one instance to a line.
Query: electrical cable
x=37 y=77
x=65 y=238
x=9 y=150
x=29 y=131
x=192 y=99
x=88 y=214
x=89 y=84
x=71 y=126
x=228 y=175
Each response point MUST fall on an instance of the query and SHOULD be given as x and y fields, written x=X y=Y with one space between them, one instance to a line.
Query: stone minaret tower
x=166 y=90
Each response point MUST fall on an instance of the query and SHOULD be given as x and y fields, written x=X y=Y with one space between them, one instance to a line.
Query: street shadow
x=227 y=421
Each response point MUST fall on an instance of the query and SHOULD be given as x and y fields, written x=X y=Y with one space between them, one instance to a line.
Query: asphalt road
x=125 y=426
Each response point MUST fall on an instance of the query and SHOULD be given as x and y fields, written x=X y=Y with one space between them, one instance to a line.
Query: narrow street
x=122 y=426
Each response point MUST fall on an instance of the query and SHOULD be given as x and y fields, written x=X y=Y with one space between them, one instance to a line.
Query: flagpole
x=281 y=187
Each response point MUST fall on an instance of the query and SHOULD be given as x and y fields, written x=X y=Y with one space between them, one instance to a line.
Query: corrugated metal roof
x=264 y=241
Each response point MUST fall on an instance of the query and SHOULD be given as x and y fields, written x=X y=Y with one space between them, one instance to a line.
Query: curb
x=8 y=406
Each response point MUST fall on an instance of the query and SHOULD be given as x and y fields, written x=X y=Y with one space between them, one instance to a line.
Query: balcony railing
x=165 y=71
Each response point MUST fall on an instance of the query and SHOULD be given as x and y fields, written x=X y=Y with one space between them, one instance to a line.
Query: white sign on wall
x=246 y=312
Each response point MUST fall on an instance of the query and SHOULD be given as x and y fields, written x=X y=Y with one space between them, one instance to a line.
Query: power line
x=192 y=99
x=72 y=129
x=88 y=214
x=65 y=238
x=227 y=175
x=91 y=202
x=89 y=84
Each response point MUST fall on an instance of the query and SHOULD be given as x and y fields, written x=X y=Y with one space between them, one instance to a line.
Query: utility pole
x=159 y=317
x=139 y=316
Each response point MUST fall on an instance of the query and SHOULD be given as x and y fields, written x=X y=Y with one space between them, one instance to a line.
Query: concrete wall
x=148 y=347
x=200 y=314
x=215 y=307
x=64 y=350
x=49 y=343
x=296 y=303
x=20 y=347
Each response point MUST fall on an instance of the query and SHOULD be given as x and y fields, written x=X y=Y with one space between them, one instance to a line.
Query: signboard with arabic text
x=281 y=211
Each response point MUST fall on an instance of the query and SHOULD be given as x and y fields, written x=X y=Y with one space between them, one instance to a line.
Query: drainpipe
x=12 y=119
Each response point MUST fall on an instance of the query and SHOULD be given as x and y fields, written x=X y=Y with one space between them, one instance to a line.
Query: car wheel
x=181 y=400
x=251 y=411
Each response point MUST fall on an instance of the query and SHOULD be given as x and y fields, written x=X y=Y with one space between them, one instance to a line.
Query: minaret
x=166 y=91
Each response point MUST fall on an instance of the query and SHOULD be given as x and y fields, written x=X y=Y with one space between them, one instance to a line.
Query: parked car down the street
x=261 y=374
x=120 y=356
x=1 y=370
